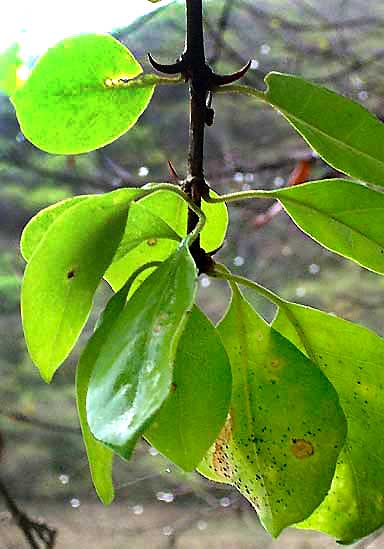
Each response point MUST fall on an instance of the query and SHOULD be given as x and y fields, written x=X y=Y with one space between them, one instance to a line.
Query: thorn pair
x=215 y=80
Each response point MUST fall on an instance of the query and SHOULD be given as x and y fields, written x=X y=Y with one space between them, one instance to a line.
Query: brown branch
x=41 y=424
x=34 y=531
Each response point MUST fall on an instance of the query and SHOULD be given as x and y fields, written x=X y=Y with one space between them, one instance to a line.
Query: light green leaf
x=286 y=427
x=100 y=457
x=36 y=228
x=78 y=97
x=64 y=272
x=173 y=210
x=344 y=216
x=352 y=358
x=9 y=63
x=197 y=407
x=343 y=132
x=133 y=373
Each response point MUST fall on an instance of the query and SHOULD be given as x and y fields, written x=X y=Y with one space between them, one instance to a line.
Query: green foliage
x=197 y=407
x=132 y=375
x=344 y=216
x=286 y=427
x=351 y=357
x=78 y=97
x=345 y=134
x=289 y=413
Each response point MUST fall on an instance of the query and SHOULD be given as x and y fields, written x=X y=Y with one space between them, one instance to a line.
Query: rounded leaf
x=78 y=97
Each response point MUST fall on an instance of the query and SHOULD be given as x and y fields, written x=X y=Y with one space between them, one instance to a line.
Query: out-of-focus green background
x=334 y=42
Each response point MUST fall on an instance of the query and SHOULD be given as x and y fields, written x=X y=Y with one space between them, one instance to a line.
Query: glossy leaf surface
x=133 y=373
x=286 y=427
x=64 y=272
x=100 y=457
x=197 y=407
x=344 y=216
x=352 y=358
x=344 y=133
x=77 y=97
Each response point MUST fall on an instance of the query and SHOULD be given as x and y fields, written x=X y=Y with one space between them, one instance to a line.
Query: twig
x=34 y=531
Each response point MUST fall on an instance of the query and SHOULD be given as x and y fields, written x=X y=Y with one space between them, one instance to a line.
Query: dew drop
x=75 y=503
x=239 y=261
x=167 y=531
x=205 y=282
x=64 y=479
x=225 y=501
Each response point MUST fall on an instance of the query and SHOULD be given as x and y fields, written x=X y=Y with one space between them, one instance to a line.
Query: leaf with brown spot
x=278 y=396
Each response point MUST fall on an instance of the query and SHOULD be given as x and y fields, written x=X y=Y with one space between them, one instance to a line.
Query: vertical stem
x=198 y=75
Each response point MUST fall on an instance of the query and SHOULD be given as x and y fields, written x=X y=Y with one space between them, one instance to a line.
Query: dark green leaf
x=64 y=272
x=78 y=98
x=346 y=217
x=133 y=373
x=352 y=358
x=343 y=132
x=195 y=411
x=286 y=427
x=100 y=457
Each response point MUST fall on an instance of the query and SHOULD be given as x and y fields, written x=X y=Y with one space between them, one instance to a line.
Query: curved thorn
x=173 y=172
x=175 y=68
x=222 y=80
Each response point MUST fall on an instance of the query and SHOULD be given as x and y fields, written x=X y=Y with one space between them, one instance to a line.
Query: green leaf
x=9 y=63
x=286 y=427
x=133 y=373
x=172 y=209
x=352 y=358
x=78 y=97
x=197 y=407
x=36 y=228
x=100 y=457
x=64 y=272
x=343 y=132
x=344 y=216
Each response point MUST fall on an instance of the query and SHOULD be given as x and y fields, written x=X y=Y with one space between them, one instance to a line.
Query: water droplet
x=143 y=171
x=363 y=95
x=265 y=49
x=201 y=525
x=286 y=251
x=167 y=497
x=137 y=509
x=225 y=501
x=153 y=452
x=254 y=64
x=239 y=261
x=75 y=503
x=278 y=181
x=167 y=531
x=300 y=291
x=205 y=282
x=314 y=268
x=64 y=479
x=238 y=177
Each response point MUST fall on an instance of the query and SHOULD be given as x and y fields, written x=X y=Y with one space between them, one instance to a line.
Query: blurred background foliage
x=337 y=43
